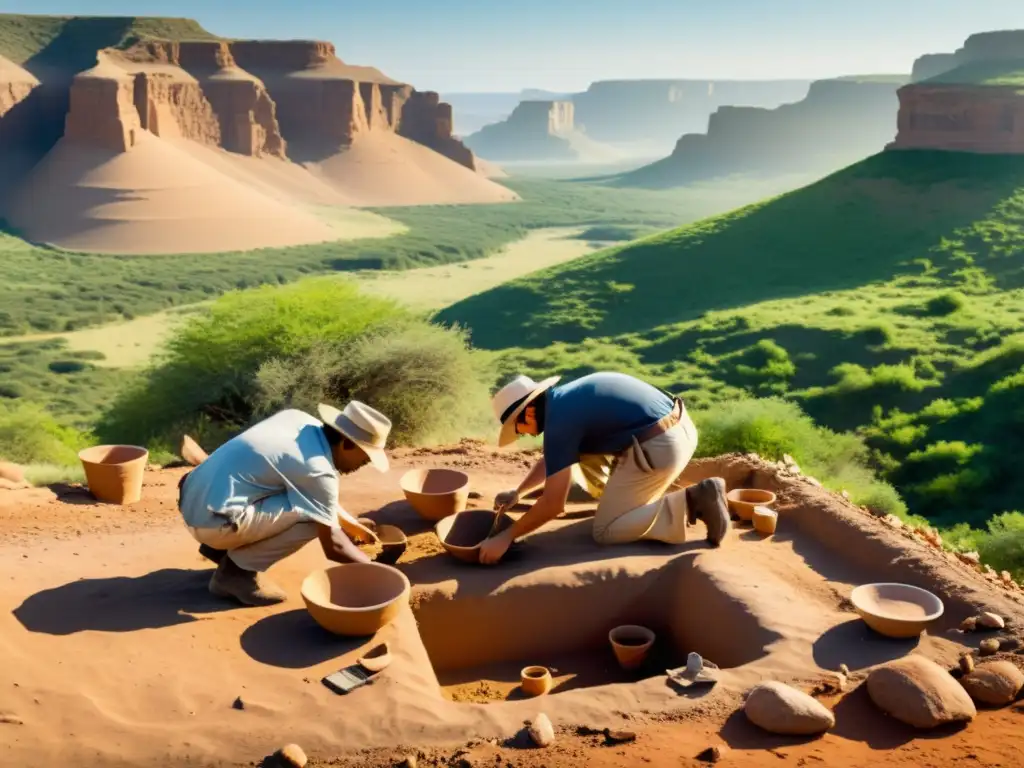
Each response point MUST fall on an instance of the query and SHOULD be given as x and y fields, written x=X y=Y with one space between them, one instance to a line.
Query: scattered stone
x=845 y=494
x=989 y=646
x=844 y=670
x=967 y=663
x=971 y=558
x=475 y=495
x=1009 y=643
x=892 y=521
x=291 y=756
x=711 y=754
x=813 y=481
x=920 y=693
x=411 y=761
x=969 y=624
x=1006 y=576
x=779 y=708
x=541 y=731
x=991 y=621
x=238 y=703
x=8 y=719
x=996 y=683
x=618 y=737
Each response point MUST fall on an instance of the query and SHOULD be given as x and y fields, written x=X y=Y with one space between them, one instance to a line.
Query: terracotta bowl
x=631 y=642
x=355 y=599
x=765 y=520
x=436 y=493
x=462 y=534
x=896 y=610
x=393 y=542
x=743 y=500
x=535 y=681
x=114 y=472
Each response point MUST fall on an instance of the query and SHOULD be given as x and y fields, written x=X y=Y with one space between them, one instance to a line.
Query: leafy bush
x=29 y=435
x=772 y=427
x=423 y=377
x=945 y=304
x=1001 y=545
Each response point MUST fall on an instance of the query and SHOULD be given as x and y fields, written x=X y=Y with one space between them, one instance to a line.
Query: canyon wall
x=16 y=101
x=839 y=122
x=102 y=110
x=536 y=130
x=967 y=101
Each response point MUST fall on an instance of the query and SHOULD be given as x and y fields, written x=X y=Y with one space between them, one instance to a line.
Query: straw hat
x=520 y=388
x=364 y=426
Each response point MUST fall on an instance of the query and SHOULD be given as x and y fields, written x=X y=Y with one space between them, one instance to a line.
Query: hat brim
x=378 y=458
x=508 y=435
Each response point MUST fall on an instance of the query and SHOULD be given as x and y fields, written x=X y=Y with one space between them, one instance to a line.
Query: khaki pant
x=268 y=531
x=631 y=487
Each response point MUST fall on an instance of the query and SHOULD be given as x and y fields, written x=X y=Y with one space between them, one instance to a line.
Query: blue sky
x=506 y=45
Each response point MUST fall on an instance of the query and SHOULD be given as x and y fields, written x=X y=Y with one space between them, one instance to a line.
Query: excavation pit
x=560 y=618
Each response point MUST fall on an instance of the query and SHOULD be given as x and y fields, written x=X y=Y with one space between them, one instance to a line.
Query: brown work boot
x=247 y=587
x=707 y=501
x=216 y=555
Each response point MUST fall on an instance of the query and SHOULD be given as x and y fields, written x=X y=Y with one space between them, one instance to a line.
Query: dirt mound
x=154 y=198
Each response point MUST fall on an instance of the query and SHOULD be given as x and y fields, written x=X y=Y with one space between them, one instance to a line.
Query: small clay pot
x=535 y=681
x=393 y=542
x=742 y=501
x=765 y=520
x=461 y=535
x=114 y=472
x=631 y=642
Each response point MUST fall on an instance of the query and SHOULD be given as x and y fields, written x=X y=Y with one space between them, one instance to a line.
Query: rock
x=6 y=718
x=844 y=670
x=778 y=708
x=996 y=683
x=475 y=495
x=971 y=558
x=845 y=494
x=892 y=521
x=969 y=624
x=238 y=703
x=712 y=754
x=967 y=663
x=541 y=731
x=291 y=756
x=989 y=646
x=920 y=693
x=411 y=761
x=1009 y=643
x=618 y=737
x=1006 y=576
x=991 y=621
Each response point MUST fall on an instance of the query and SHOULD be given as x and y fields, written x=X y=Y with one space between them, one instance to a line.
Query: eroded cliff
x=102 y=110
x=16 y=88
x=536 y=130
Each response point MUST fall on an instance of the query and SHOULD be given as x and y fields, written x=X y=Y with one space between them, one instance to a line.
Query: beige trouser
x=633 y=504
x=266 y=532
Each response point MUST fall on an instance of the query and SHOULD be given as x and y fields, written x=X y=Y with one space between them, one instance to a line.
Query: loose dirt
x=113 y=653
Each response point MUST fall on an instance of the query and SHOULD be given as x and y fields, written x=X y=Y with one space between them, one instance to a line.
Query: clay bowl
x=436 y=493
x=355 y=599
x=765 y=520
x=743 y=500
x=462 y=534
x=535 y=681
x=631 y=642
x=896 y=610
x=114 y=472
x=393 y=542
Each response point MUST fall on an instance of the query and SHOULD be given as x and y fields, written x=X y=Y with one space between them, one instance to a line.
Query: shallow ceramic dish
x=743 y=500
x=896 y=610
x=436 y=493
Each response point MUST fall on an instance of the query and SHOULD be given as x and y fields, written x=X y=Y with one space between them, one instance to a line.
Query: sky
x=563 y=45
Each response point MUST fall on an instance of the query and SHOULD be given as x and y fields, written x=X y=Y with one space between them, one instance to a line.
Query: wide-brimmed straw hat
x=511 y=400
x=364 y=426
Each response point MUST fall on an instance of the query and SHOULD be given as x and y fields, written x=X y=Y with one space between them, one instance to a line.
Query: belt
x=663 y=425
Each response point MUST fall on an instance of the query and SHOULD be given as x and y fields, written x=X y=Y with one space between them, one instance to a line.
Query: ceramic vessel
x=743 y=500
x=436 y=493
x=114 y=472
x=631 y=642
x=896 y=610
x=393 y=543
x=765 y=520
x=461 y=535
x=535 y=681
x=355 y=599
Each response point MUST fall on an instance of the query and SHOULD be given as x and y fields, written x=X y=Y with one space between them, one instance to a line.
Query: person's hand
x=360 y=531
x=505 y=500
x=494 y=548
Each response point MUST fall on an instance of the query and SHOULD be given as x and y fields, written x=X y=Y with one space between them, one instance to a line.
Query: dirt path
x=112 y=652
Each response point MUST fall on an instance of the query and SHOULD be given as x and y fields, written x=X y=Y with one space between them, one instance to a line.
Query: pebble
x=844 y=670
x=1009 y=644
x=410 y=761
x=238 y=703
x=9 y=719
x=969 y=624
x=618 y=737
x=967 y=664
x=991 y=621
x=291 y=756
x=475 y=495
x=1006 y=576
x=971 y=558
x=541 y=731
x=990 y=646
x=711 y=755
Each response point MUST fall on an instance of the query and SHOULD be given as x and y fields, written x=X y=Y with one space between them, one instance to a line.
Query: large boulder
x=919 y=692
x=996 y=683
x=778 y=708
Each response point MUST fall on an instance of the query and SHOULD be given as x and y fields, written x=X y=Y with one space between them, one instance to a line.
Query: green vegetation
x=263 y=349
x=1004 y=72
x=29 y=435
x=881 y=78
x=886 y=299
x=72 y=41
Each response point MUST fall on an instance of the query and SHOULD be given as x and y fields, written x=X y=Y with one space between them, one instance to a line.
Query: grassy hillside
x=887 y=298
x=72 y=40
x=1006 y=72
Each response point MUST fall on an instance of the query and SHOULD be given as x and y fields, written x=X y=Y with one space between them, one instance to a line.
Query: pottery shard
x=991 y=621
x=541 y=731
x=919 y=692
x=996 y=683
x=778 y=708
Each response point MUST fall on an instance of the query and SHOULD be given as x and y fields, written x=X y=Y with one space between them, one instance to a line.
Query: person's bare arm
x=549 y=506
x=534 y=479
x=338 y=547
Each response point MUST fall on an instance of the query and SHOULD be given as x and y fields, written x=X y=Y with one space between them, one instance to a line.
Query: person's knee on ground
x=707 y=501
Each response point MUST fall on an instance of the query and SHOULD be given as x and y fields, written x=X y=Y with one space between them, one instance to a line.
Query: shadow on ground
x=294 y=641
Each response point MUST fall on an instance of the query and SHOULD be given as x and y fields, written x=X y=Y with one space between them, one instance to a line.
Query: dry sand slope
x=112 y=653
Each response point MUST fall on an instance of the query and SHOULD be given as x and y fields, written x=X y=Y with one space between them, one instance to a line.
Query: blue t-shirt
x=598 y=413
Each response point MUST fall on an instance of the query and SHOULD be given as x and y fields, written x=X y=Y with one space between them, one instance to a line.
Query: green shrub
x=945 y=304
x=67 y=366
x=423 y=377
x=29 y=435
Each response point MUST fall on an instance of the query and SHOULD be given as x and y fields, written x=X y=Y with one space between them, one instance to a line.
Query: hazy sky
x=562 y=45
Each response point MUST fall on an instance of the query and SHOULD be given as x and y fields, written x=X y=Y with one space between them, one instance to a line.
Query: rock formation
x=967 y=101
x=536 y=130
x=102 y=109
x=839 y=122
x=16 y=108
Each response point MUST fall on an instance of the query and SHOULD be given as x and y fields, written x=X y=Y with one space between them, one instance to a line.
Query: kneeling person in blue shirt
x=627 y=441
x=265 y=493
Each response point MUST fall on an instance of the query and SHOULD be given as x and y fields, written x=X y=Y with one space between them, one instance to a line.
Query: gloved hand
x=505 y=501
